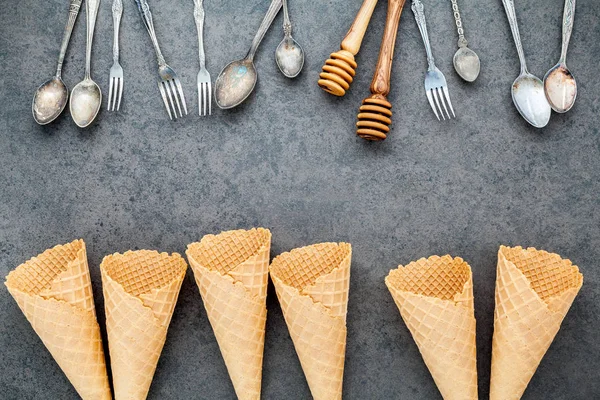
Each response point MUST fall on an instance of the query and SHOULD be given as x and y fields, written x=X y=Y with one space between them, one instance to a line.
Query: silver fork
x=204 y=84
x=435 y=82
x=115 y=91
x=168 y=82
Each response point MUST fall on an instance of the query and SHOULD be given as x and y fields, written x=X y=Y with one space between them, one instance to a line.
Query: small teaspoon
x=289 y=54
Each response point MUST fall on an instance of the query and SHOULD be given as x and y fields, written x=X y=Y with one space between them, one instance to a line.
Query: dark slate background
x=288 y=159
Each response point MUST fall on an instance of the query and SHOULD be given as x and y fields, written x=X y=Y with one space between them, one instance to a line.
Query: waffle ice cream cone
x=534 y=291
x=435 y=299
x=231 y=271
x=312 y=286
x=54 y=292
x=140 y=293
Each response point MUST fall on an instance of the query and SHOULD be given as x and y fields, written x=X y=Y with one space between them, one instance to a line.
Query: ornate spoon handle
x=199 y=18
x=264 y=26
x=462 y=41
x=418 y=10
x=146 y=15
x=91 y=12
x=117 y=12
x=74 y=7
x=509 y=7
x=567 y=28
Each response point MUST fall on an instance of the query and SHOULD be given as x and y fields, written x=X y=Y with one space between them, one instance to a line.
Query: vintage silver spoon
x=86 y=97
x=466 y=62
x=237 y=80
x=289 y=54
x=527 y=90
x=51 y=97
x=559 y=83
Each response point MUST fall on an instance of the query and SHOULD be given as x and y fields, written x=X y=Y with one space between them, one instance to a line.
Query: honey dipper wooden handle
x=381 y=80
x=355 y=35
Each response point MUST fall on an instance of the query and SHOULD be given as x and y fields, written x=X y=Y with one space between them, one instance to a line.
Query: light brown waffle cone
x=231 y=271
x=140 y=293
x=312 y=286
x=54 y=292
x=534 y=291
x=435 y=299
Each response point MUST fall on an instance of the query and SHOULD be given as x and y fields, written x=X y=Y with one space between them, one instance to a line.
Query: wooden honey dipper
x=375 y=114
x=339 y=70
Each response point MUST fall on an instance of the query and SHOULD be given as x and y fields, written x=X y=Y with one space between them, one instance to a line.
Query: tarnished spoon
x=527 y=90
x=237 y=80
x=559 y=83
x=86 y=97
x=51 y=97
x=466 y=62
x=289 y=54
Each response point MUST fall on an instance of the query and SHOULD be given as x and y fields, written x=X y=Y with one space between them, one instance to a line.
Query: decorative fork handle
x=117 y=12
x=264 y=26
x=462 y=41
x=199 y=18
x=91 y=12
x=74 y=7
x=567 y=28
x=146 y=15
x=417 y=8
x=509 y=7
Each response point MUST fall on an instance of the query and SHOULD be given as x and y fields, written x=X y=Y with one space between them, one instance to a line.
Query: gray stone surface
x=288 y=159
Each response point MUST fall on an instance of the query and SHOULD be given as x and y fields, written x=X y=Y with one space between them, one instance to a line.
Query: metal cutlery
x=86 y=97
x=527 y=90
x=559 y=84
x=115 y=91
x=375 y=114
x=435 y=82
x=340 y=68
x=466 y=62
x=51 y=97
x=168 y=82
x=289 y=54
x=204 y=84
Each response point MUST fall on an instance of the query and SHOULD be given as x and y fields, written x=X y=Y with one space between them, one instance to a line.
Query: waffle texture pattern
x=312 y=286
x=140 y=293
x=54 y=292
x=231 y=270
x=534 y=291
x=435 y=299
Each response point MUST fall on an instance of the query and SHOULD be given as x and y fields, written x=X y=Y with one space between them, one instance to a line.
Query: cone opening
x=226 y=251
x=439 y=277
x=548 y=274
x=301 y=267
x=142 y=271
x=37 y=274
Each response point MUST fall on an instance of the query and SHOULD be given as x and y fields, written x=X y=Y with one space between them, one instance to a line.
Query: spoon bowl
x=235 y=83
x=86 y=99
x=530 y=100
x=466 y=63
x=49 y=100
x=290 y=57
x=561 y=88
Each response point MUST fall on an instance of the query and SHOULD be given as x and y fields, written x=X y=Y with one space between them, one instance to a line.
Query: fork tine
x=200 y=98
x=447 y=94
x=204 y=96
x=120 y=93
x=172 y=85
x=437 y=101
x=439 y=90
x=431 y=103
x=170 y=96
x=180 y=89
x=164 y=97
x=114 y=93
x=209 y=98
x=110 y=90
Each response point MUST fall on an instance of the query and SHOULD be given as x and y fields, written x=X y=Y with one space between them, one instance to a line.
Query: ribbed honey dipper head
x=338 y=73
x=374 y=118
